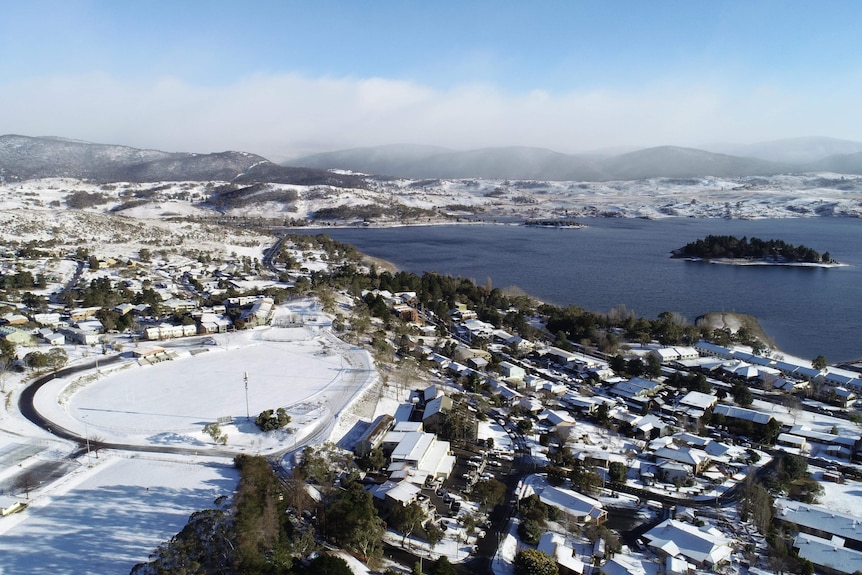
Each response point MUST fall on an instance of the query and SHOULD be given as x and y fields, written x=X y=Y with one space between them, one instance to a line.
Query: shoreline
x=744 y=262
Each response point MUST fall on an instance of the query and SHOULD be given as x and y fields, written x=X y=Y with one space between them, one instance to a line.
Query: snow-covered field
x=781 y=196
x=106 y=518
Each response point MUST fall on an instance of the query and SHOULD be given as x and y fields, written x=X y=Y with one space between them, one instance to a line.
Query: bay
x=807 y=311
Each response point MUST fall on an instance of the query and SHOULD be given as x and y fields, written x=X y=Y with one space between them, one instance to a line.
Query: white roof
x=412 y=446
x=554 y=544
x=402 y=491
x=742 y=413
x=830 y=554
x=569 y=501
x=628 y=565
x=700 y=545
x=820 y=518
x=698 y=399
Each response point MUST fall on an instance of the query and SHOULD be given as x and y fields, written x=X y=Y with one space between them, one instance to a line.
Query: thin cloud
x=280 y=116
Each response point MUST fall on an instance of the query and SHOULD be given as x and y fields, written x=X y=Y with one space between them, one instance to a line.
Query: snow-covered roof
x=698 y=400
x=830 y=554
x=412 y=446
x=673 y=537
x=742 y=413
x=820 y=518
x=568 y=501
x=554 y=545
x=820 y=437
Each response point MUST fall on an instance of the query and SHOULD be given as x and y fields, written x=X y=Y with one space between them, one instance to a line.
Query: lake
x=807 y=311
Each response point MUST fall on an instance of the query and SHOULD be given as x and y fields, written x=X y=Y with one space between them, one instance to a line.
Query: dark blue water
x=807 y=311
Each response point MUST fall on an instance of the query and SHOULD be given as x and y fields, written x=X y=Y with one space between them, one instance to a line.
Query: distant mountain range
x=23 y=158
x=409 y=161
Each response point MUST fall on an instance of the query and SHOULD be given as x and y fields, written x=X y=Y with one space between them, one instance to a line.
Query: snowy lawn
x=307 y=371
x=108 y=518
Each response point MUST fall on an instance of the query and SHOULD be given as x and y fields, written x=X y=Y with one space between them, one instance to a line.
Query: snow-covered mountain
x=523 y=163
x=26 y=158
x=797 y=151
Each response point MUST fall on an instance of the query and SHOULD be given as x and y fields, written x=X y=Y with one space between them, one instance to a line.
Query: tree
x=434 y=534
x=530 y=531
x=617 y=472
x=617 y=363
x=407 y=518
x=819 y=362
x=534 y=562
x=653 y=365
x=443 y=567
x=328 y=565
x=489 y=492
x=355 y=524
x=56 y=358
x=372 y=459
x=792 y=467
x=35 y=360
x=214 y=431
x=742 y=395
x=268 y=420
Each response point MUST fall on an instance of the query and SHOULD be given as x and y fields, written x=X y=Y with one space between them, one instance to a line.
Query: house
x=829 y=555
x=697 y=401
x=649 y=427
x=554 y=545
x=478 y=363
x=372 y=438
x=511 y=371
x=14 y=319
x=73 y=334
x=579 y=507
x=393 y=494
x=671 y=354
x=423 y=454
x=436 y=412
x=839 y=445
x=168 y=331
x=701 y=546
x=15 y=335
x=673 y=472
x=837 y=395
x=821 y=522
x=214 y=323
x=52 y=337
x=555 y=417
x=628 y=565
x=743 y=414
x=694 y=405
x=695 y=459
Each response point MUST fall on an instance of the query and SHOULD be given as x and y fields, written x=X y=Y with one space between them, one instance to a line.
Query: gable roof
x=699 y=545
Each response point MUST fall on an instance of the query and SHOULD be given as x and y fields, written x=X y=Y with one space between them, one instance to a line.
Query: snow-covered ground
x=107 y=518
x=110 y=509
x=781 y=196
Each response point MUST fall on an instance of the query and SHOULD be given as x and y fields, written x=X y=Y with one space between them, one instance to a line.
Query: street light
x=87 y=435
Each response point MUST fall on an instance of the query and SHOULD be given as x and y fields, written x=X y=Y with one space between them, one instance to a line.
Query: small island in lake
x=555 y=223
x=752 y=251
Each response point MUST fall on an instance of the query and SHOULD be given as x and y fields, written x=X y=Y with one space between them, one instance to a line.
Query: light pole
x=87 y=435
x=245 y=380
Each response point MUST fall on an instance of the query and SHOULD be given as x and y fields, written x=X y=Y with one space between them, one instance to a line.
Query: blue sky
x=287 y=77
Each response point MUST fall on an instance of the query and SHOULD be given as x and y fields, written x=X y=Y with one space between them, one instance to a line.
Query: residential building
x=702 y=546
